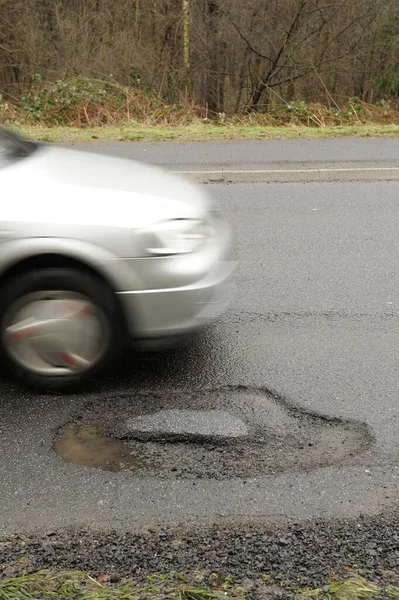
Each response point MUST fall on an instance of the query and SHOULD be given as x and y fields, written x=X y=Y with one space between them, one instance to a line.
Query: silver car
x=97 y=251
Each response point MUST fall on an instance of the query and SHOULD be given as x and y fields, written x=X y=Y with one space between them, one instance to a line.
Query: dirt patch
x=281 y=437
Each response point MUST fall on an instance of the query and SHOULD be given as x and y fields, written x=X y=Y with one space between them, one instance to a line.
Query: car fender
x=117 y=271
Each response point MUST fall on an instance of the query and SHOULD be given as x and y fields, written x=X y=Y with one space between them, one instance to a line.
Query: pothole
x=234 y=432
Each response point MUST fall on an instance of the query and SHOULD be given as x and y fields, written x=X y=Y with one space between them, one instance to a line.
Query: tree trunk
x=214 y=89
x=186 y=45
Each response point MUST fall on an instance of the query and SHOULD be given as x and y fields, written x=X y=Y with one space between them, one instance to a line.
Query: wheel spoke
x=71 y=309
x=30 y=328
x=74 y=361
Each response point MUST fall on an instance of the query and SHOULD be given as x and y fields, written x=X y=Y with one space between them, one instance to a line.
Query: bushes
x=85 y=102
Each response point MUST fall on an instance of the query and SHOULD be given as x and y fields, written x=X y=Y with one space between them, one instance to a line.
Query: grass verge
x=201 y=132
x=82 y=109
x=46 y=585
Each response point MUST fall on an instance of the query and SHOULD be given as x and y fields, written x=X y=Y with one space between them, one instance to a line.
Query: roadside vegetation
x=46 y=585
x=198 y=132
x=84 y=109
x=84 y=102
x=199 y=69
x=227 y=56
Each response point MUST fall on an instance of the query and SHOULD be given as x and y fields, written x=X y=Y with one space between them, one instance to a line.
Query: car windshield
x=13 y=148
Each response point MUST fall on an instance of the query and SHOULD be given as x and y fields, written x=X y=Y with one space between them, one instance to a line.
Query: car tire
x=59 y=328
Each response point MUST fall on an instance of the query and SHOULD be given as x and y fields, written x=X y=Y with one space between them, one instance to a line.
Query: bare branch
x=247 y=42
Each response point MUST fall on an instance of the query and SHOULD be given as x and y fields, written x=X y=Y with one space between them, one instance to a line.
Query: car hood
x=61 y=185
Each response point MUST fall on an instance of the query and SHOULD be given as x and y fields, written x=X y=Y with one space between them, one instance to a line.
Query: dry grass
x=200 y=132
x=46 y=585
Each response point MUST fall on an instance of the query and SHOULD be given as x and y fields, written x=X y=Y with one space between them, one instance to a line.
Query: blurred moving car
x=95 y=251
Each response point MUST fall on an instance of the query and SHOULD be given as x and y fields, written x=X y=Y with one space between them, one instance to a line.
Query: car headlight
x=177 y=236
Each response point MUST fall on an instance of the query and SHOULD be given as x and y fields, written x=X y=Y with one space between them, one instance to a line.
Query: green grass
x=48 y=585
x=202 y=132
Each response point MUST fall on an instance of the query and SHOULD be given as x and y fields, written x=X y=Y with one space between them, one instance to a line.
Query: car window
x=13 y=148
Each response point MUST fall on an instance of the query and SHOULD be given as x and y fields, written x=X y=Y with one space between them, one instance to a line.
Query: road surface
x=313 y=323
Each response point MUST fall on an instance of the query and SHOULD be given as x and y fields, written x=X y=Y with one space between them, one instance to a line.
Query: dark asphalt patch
x=280 y=437
x=181 y=425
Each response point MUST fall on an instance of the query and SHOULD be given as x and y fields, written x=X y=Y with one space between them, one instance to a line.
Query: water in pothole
x=90 y=447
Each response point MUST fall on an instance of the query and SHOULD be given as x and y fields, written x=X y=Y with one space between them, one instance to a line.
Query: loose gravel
x=306 y=552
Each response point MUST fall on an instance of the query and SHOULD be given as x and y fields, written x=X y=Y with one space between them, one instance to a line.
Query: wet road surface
x=313 y=325
x=257 y=154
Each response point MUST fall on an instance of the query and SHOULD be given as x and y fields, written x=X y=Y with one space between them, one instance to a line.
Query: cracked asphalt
x=313 y=320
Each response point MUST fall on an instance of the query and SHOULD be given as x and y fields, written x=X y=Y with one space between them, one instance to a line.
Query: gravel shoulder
x=296 y=555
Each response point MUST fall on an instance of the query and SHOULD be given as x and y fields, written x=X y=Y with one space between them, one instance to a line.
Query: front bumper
x=162 y=313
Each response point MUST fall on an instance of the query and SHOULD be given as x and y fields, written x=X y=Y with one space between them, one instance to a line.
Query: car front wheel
x=59 y=327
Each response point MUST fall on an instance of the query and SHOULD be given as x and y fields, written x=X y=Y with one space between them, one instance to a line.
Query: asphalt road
x=257 y=154
x=314 y=319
